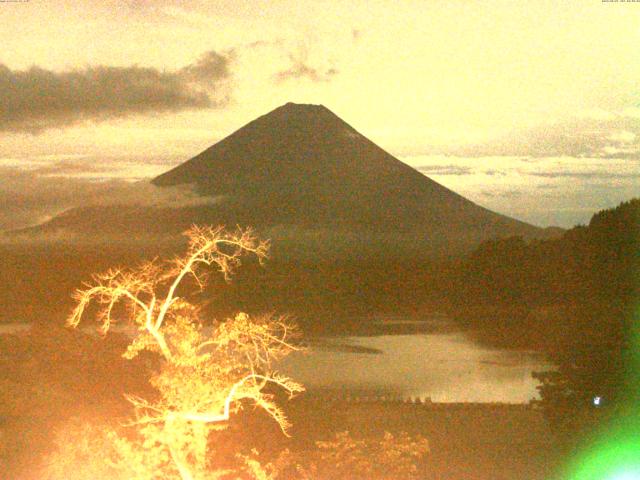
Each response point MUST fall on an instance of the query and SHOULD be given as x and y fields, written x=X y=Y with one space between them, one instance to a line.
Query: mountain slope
x=308 y=180
x=353 y=229
x=301 y=164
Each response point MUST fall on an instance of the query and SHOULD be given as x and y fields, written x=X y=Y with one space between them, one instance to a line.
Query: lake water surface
x=411 y=359
x=439 y=363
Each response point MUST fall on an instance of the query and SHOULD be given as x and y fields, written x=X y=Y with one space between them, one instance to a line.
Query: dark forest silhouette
x=574 y=297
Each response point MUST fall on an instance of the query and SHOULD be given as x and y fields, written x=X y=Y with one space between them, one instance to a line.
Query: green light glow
x=626 y=475
x=616 y=454
x=619 y=460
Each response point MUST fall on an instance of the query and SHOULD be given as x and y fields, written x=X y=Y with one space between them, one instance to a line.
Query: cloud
x=495 y=173
x=597 y=114
x=622 y=136
x=501 y=193
x=97 y=168
x=593 y=134
x=301 y=69
x=30 y=197
x=262 y=44
x=69 y=168
x=37 y=99
x=585 y=175
x=210 y=68
x=444 y=170
x=632 y=112
x=189 y=16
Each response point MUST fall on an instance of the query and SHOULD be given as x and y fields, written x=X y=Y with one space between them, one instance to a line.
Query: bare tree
x=205 y=375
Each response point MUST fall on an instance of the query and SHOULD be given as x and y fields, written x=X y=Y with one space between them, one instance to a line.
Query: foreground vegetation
x=198 y=381
x=571 y=297
x=484 y=443
x=575 y=298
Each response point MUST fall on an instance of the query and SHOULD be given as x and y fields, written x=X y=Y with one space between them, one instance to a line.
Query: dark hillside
x=575 y=297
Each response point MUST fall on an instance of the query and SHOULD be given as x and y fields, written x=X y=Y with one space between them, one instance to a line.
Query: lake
x=423 y=359
x=433 y=361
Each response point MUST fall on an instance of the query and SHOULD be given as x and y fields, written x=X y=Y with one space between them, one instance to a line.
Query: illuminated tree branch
x=139 y=287
x=204 y=377
x=256 y=395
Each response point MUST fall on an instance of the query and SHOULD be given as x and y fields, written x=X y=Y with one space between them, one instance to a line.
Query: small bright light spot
x=628 y=475
x=597 y=401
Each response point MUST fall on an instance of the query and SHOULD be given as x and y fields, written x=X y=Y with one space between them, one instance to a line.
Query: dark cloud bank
x=36 y=99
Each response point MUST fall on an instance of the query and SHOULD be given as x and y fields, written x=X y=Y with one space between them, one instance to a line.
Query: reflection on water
x=447 y=367
x=410 y=359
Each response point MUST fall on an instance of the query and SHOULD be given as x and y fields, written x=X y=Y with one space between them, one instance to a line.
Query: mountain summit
x=309 y=181
x=353 y=229
x=302 y=165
